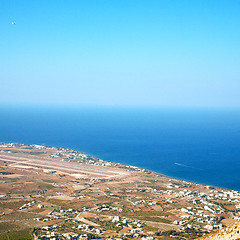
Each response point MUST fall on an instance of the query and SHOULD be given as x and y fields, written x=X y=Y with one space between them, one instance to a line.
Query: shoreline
x=46 y=181
x=123 y=164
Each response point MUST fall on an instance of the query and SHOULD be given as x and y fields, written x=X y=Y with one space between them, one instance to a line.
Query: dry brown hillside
x=229 y=233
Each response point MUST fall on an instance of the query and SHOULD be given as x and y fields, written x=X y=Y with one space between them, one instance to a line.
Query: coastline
x=207 y=140
x=118 y=164
x=49 y=180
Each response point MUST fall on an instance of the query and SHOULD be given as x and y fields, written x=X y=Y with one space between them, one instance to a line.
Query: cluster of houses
x=89 y=229
x=75 y=156
x=208 y=209
x=197 y=207
x=105 y=207
x=71 y=155
x=203 y=213
x=27 y=205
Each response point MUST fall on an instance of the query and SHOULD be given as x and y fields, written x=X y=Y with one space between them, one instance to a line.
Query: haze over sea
x=199 y=145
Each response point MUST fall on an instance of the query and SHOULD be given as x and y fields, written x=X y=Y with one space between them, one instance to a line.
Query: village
x=56 y=193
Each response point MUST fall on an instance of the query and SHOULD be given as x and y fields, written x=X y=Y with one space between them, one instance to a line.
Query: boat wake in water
x=183 y=165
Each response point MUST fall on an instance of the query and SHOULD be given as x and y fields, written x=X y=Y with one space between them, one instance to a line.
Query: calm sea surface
x=197 y=145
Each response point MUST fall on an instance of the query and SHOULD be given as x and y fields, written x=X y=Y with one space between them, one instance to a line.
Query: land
x=58 y=193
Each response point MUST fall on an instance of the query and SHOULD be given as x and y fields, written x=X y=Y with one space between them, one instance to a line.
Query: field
x=54 y=192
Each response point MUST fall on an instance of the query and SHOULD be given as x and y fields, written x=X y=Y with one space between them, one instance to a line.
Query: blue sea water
x=199 y=145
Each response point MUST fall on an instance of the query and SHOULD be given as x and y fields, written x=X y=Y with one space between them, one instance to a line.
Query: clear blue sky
x=120 y=52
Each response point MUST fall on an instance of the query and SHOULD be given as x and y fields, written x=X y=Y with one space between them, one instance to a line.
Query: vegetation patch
x=18 y=235
x=35 y=153
x=6 y=226
x=155 y=219
x=19 y=215
x=11 y=205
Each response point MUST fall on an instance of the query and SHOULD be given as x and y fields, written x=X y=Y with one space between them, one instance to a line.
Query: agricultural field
x=56 y=193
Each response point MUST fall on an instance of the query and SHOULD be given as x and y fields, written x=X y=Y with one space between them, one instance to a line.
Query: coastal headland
x=59 y=193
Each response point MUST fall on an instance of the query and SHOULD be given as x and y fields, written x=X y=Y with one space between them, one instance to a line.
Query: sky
x=120 y=52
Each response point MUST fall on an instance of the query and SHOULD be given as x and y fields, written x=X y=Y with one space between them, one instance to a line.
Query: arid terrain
x=57 y=193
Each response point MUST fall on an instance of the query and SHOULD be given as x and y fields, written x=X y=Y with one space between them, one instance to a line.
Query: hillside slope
x=229 y=233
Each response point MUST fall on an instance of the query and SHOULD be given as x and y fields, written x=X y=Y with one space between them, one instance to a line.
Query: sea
x=193 y=144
